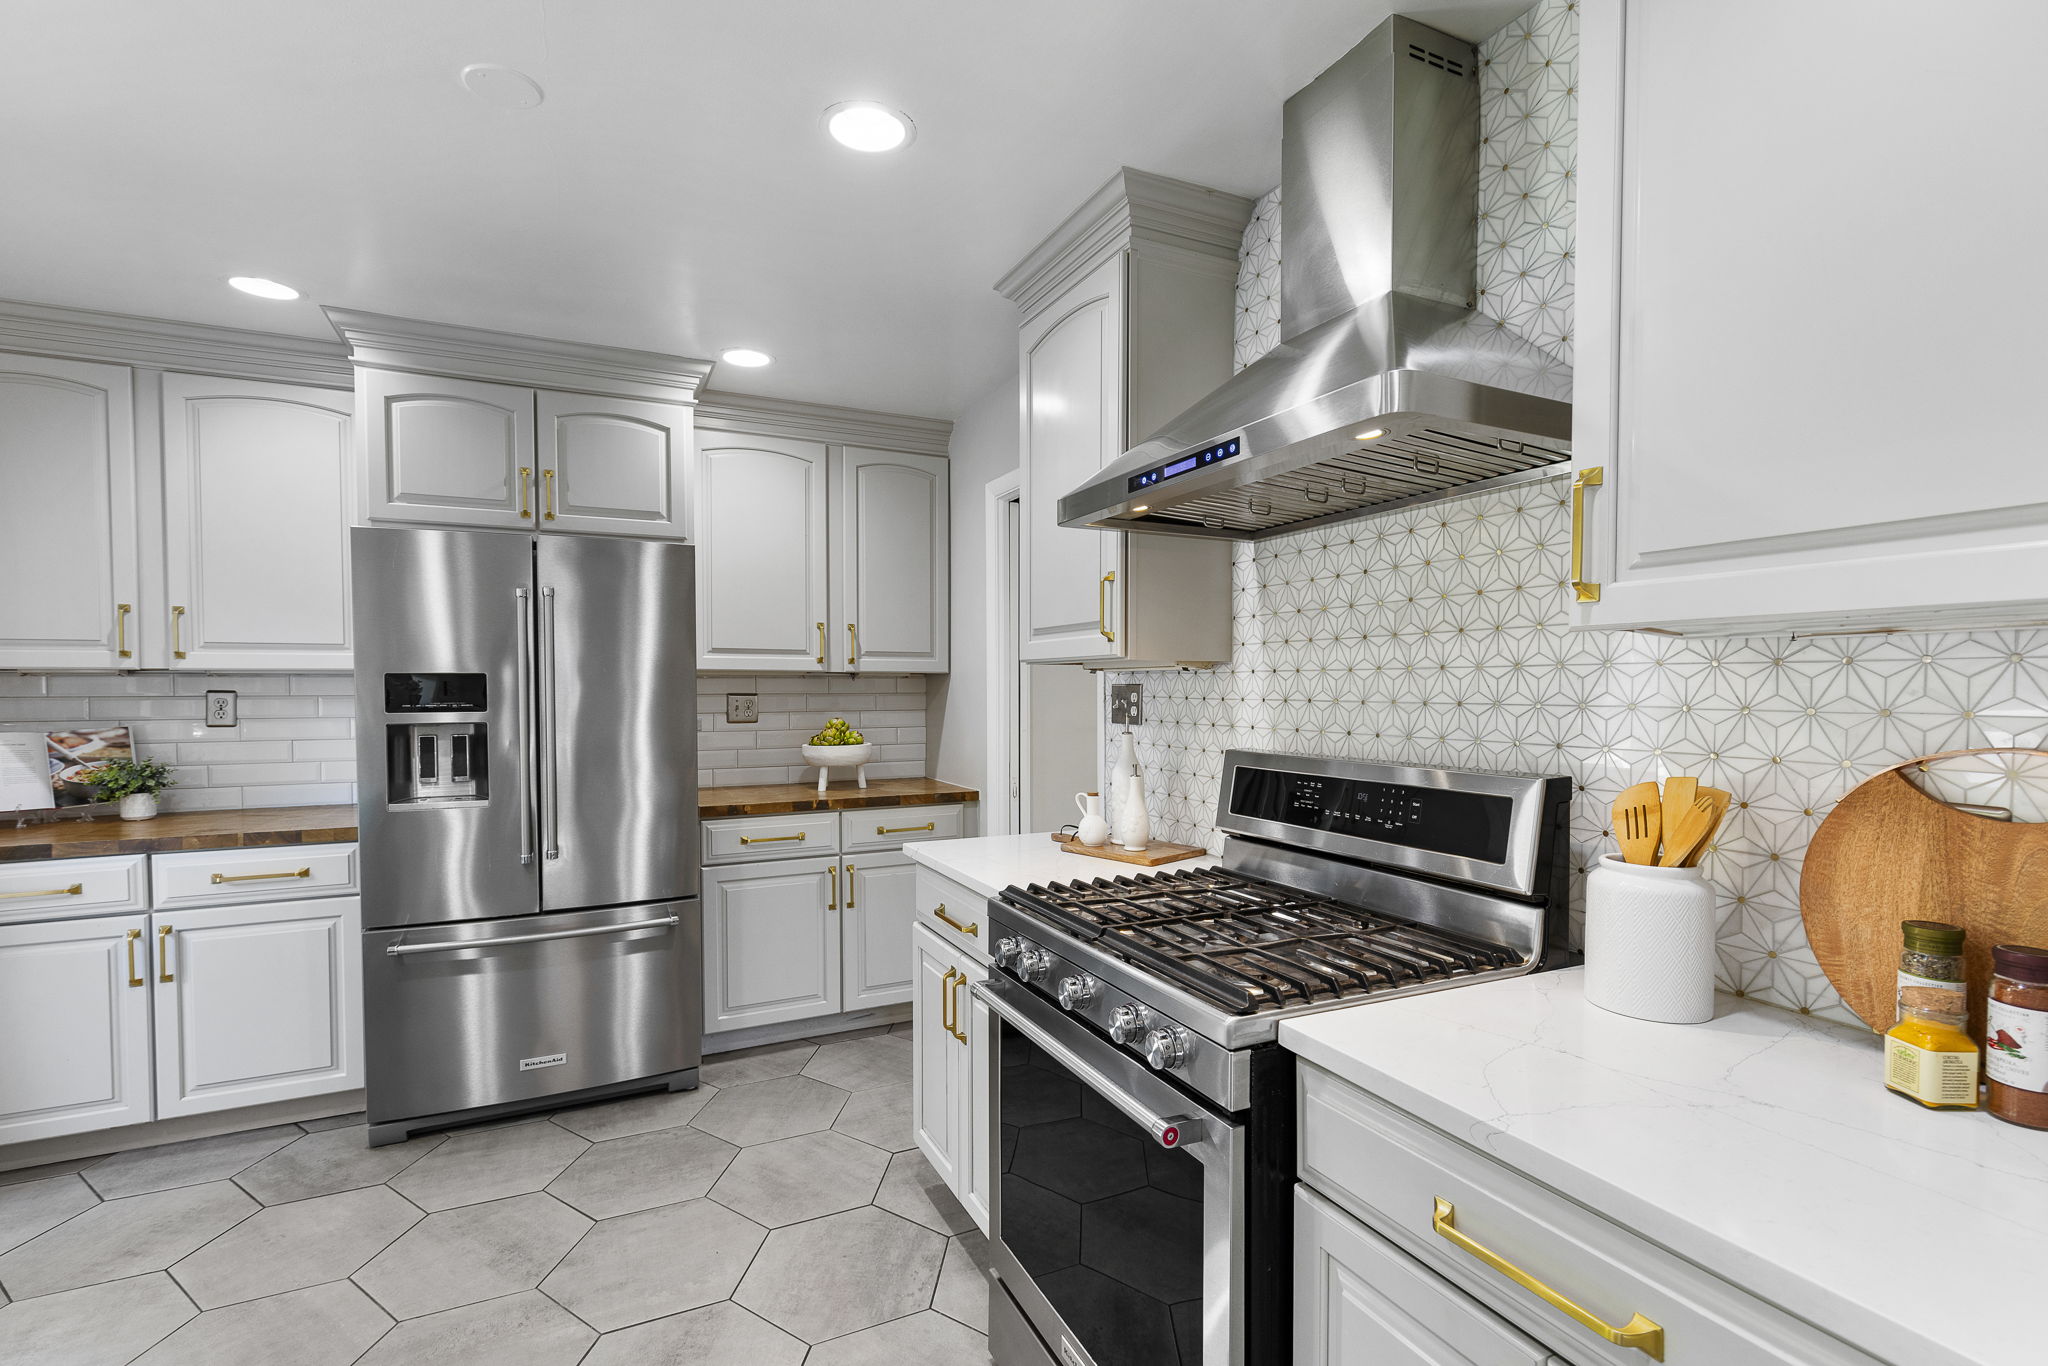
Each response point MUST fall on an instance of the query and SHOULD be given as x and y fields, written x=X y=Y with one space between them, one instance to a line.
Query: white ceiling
x=674 y=193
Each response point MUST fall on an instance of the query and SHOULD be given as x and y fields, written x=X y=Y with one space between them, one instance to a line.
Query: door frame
x=1006 y=739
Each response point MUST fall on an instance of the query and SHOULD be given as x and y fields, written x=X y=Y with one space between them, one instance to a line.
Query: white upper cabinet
x=889 y=530
x=450 y=452
x=67 y=516
x=257 y=498
x=1765 y=280
x=610 y=464
x=762 y=557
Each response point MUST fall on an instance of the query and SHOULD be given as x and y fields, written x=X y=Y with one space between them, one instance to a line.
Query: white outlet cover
x=220 y=707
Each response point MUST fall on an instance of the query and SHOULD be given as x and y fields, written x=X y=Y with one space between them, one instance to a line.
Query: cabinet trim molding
x=795 y=420
x=160 y=344
x=379 y=341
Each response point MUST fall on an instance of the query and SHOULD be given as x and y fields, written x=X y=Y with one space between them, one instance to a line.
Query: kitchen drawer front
x=222 y=877
x=886 y=827
x=1391 y=1170
x=800 y=834
x=954 y=913
x=50 y=889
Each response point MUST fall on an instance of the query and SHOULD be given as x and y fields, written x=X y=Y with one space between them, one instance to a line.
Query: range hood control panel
x=1187 y=463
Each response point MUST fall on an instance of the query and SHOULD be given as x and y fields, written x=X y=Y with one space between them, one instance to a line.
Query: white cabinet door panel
x=1073 y=374
x=257 y=504
x=771 y=943
x=67 y=516
x=977 y=1100
x=448 y=452
x=891 y=557
x=881 y=905
x=762 y=556
x=934 y=1096
x=74 y=1011
x=257 y=1003
x=613 y=465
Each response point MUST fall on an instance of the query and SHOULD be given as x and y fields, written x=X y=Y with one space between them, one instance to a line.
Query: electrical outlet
x=220 y=707
x=1127 y=704
x=742 y=708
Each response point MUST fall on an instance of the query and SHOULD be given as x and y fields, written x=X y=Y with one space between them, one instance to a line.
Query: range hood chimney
x=1387 y=388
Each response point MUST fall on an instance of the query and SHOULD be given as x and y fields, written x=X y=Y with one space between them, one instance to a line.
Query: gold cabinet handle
x=1102 y=606
x=163 y=954
x=133 y=980
x=905 y=829
x=849 y=887
x=1640 y=1333
x=547 y=484
x=177 y=619
x=219 y=878
x=775 y=839
x=821 y=642
x=526 y=491
x=1589 y=478
x=833 y=904
x=75 y=889
x=970 y=930
x=852 y=644
x=946 y=1001
x=958 y=1032
x=121 y=611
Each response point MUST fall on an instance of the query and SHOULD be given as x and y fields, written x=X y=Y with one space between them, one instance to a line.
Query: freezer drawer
x=476 y=1014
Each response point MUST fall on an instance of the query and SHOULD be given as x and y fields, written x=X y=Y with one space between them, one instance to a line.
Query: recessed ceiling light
x=262 y=288
x=1373 y=435
x=866 y=126
x=501 y=87
x=745 y=355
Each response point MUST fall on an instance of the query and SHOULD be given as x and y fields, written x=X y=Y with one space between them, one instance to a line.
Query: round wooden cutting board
x=1889 y=852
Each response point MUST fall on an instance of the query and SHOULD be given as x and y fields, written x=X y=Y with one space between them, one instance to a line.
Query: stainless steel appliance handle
x=1168 y=1131
x=548 y=793
x=523 y=713
x=660 y=922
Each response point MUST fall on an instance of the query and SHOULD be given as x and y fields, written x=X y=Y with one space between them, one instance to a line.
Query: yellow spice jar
x=1929 y=1056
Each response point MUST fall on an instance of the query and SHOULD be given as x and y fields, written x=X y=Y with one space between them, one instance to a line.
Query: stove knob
x=1076 y=992
x=1166 y=1049
x=1007 y=949
x=1126 y=1025
x=1033 y=964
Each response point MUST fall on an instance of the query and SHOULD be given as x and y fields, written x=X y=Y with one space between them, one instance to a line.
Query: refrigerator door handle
x=549 y=796
x=523 y=717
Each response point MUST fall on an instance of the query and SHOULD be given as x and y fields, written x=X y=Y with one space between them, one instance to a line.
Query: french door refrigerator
x=527 y=782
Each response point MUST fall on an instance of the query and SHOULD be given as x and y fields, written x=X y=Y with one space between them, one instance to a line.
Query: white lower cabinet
x=771 y=942
x=950 y=1071
x=881 y=904
x=74 y=1018
x=257 y=1003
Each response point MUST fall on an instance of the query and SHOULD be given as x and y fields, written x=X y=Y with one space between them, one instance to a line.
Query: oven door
x=1116 y=1205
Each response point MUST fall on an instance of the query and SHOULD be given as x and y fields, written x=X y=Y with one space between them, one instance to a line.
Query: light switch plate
x=1127 y=704
x=220 y=707
x=742 y=708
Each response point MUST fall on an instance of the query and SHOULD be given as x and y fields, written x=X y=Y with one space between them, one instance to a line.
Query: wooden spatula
x=1638 y=819
x=1678 y=798
x=1686 y=830
x=1720 y=801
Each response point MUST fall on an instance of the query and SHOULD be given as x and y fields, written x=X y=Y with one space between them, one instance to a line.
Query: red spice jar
x=2016 y=1036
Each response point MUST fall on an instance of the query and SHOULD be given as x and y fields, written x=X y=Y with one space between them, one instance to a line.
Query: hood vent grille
x=1436 y=59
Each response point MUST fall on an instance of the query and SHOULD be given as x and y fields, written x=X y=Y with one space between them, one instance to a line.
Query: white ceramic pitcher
x=1094 y=830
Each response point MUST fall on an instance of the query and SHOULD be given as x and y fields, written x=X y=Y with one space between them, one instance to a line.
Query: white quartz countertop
x=1760 y=1145
x=993 y=862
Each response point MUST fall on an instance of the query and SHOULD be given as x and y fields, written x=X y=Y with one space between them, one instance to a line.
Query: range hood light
x=1373 y=435
x=1142 y=507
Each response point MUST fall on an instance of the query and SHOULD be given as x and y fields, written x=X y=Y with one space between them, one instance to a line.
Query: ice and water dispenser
x=438 y=761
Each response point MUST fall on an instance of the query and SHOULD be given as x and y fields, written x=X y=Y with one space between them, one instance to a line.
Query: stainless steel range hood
x=1387 y=388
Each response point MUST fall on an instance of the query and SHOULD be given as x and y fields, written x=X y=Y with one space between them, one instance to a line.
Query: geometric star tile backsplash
x=1440 y=635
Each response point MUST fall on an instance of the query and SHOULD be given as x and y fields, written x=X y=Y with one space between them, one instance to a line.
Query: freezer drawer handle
x=1176 y=1131
x=400 y=950
x=1640 y=1333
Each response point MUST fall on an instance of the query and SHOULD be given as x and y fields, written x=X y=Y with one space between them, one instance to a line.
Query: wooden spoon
x=1720 y=800
x=1687 y=831
x=1638 y=819
x=1678 y=799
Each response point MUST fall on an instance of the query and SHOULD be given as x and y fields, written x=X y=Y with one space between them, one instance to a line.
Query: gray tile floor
x=780 y=1215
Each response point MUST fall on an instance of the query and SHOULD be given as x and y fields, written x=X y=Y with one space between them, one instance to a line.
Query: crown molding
x=795 y=420
x=386 y=343
x=1134 y=209
x=161 y=344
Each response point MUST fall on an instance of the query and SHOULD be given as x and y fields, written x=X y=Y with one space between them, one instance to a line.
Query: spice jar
x=2016 y=1036
x=1929 y=1055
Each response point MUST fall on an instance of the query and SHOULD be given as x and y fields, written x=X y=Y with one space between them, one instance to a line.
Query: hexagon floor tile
x=763 y=1111
x=489 y=1164
x=842 y=1273
x=654 y=1263
x=472 y=1253
x=805 y=1177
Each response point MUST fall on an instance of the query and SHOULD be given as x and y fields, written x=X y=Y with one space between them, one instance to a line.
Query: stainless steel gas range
x=1141 y=1211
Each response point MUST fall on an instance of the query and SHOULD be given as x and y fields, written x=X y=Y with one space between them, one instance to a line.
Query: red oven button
x=1169 y=1137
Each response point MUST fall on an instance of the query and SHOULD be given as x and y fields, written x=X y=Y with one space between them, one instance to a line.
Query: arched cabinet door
x=762 y=557
x=613 y=465
x=890 y=553
x=257 y=501
x=67 y=516
x=448 y=452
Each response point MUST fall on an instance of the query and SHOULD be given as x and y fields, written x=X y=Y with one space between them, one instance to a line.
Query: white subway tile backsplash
x=267 y=708
x=302 y=794
x=323 y=749
x=250 y=775
x=235 y=752
x=322 y=685
x=23 y=685
x=259 y=685
x=109 y=685
x=300 y=728
x=123 y=707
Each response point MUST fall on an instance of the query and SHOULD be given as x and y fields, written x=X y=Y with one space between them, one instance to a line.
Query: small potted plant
x=134 y=783
x=839 y=746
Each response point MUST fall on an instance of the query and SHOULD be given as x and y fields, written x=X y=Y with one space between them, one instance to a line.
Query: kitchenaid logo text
x=551 y=1060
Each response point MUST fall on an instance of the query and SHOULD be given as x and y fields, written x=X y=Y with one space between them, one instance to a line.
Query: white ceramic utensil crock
x=1650 y=941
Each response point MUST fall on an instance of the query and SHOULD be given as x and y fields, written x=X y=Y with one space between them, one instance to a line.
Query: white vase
x=1650 y=941
x=138 y=806
x=1119 y=777
x=1134 y=822
x=1093 y=830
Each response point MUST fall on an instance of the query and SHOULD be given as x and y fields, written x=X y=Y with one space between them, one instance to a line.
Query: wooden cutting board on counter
x=1151 y=856
x=1889 y=852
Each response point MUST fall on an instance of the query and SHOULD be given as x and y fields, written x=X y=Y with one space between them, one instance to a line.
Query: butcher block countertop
x=772 y=799
x=179 y=830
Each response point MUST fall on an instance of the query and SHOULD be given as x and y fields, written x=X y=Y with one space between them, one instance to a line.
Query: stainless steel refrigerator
x=527 y=784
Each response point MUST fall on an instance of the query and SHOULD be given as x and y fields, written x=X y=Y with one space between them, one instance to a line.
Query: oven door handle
x=1168 y=1131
